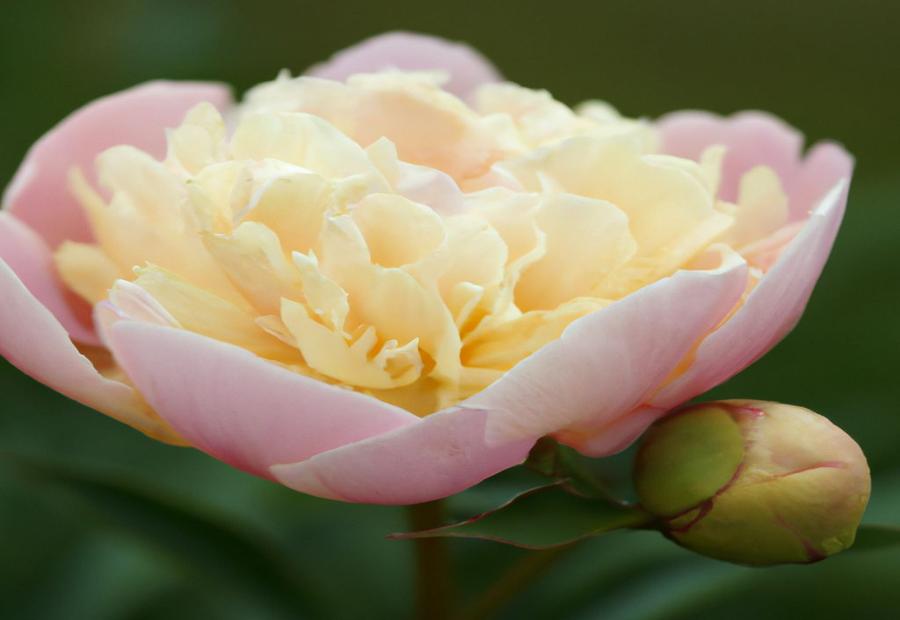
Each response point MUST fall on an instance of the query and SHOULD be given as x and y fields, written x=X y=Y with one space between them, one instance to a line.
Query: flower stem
x=434 y=578
x=516 y=579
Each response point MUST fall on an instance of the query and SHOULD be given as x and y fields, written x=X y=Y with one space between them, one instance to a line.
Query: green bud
x=753 y=482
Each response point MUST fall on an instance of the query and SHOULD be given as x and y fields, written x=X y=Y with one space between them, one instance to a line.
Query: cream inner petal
x=383 y=236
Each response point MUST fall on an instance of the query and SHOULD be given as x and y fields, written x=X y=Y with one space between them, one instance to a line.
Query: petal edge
x=410 y=51
x=238 y=407
x=33 y=341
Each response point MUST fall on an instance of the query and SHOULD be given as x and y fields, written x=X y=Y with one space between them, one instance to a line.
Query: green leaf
x=870 y=537
x=213 y=552
x=545 y=517
x=553 y=460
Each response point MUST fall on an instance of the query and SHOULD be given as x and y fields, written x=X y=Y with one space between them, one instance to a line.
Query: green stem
x=434 y=577
x=517 y=578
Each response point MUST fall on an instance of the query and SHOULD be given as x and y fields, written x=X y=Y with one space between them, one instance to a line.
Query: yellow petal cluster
x=385 y=236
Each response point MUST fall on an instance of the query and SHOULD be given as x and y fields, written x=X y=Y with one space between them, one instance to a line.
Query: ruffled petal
x=39 y=194
x=37 y=344
x=408 y=51
x=608 y=362
x=770 y=311
x=751 y=138
x=238 y=407
x=439 y=456
x=754 y=139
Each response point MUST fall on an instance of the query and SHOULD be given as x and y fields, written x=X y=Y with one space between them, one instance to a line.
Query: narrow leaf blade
x=545 y=517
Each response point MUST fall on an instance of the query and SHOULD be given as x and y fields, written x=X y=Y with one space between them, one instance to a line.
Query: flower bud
x=753 y=482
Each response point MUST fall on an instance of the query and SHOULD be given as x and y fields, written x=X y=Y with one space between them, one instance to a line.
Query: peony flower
x=754 y=482
x=371 y=288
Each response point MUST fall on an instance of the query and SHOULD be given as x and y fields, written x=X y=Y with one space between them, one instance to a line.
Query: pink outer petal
x=752 y=139
x=771 y=310
x=608 y=362
x=28 y=256
x=602 y=366
x=442 y=455
x=757 y=138
x=34 y=342
x=826 y=165
x=621 y=432
x=38 y=194
x=408 y=51
x=239 y=408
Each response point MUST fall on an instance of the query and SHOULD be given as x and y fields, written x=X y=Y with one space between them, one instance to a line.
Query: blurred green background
x=73 y=548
